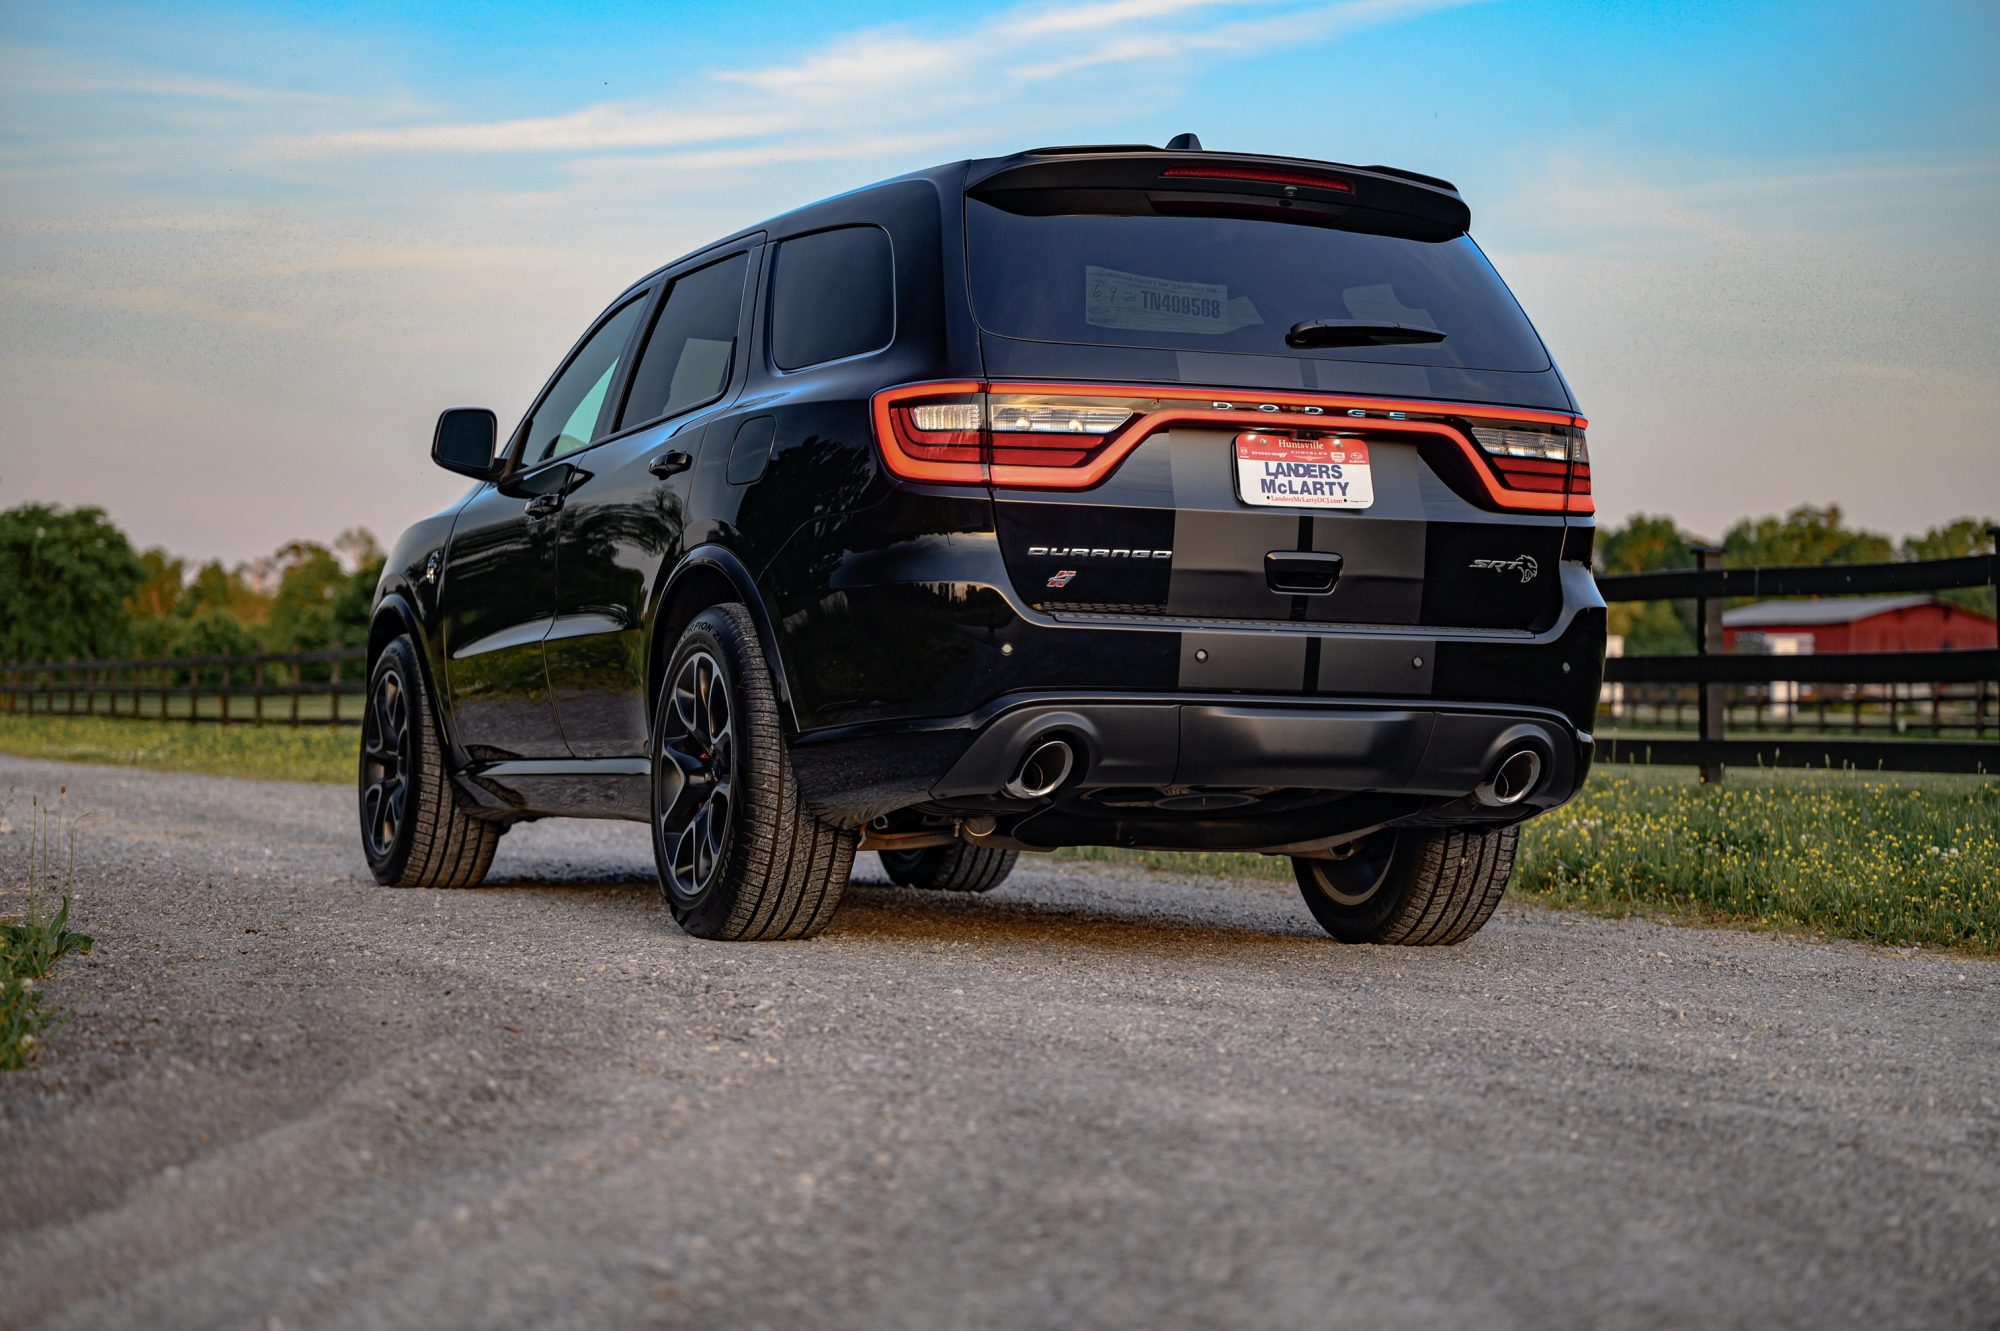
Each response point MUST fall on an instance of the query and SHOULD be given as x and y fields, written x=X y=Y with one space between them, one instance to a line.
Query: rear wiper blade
x=1358 y=333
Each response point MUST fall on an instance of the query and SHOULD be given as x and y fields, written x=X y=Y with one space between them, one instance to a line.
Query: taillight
x=1072 y=436
x=954 y=433
x=933 y=432
x=1551 y=461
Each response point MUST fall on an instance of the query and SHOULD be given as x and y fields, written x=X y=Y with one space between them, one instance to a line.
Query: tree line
x=72 y=585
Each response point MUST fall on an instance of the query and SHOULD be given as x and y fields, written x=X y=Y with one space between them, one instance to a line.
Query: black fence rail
x=288 y=688
x=1924 y=711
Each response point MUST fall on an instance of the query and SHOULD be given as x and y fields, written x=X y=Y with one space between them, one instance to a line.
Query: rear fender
x=709 y=575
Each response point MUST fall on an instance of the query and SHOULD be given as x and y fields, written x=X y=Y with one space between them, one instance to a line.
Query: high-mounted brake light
x=1260 y=176
x=1072 y=436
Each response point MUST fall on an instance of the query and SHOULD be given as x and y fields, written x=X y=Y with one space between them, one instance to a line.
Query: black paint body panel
x=908 y=625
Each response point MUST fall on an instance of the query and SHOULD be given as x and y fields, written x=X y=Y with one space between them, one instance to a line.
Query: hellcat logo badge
x=1525 y=565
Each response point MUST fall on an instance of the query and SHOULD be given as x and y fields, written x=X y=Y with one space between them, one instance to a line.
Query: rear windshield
x=1197 y=283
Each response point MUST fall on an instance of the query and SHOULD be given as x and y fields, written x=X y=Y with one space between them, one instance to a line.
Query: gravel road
x=284 y=1096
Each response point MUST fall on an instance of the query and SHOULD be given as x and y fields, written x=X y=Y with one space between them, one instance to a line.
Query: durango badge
x=1084 y=552
x=1525 y=565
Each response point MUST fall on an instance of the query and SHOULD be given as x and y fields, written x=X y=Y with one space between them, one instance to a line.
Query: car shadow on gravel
x=1012 y=915
x=871 y=910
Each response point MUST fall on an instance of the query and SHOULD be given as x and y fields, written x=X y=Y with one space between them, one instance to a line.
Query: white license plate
x=1277 y=471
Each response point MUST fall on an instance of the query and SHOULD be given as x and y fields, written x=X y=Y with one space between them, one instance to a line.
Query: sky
x=248 y=252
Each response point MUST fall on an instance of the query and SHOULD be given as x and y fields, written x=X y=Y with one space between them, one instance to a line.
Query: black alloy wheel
x=694 y=774
x=741 y=855
x=385 y=762
x=417 y=828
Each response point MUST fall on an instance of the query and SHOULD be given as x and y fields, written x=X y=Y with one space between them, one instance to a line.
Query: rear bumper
x=1429 y=756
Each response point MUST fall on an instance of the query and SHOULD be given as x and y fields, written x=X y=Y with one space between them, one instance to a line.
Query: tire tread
x=958 y=867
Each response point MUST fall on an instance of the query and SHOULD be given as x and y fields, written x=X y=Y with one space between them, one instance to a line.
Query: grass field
x=278 y=753
x=1895 y=860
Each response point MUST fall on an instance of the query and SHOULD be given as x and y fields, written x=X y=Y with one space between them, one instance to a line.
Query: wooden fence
x=1891 y=711
x=1927 y=711
x=290 y=688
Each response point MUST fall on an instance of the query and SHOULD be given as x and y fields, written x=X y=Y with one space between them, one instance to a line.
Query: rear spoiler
x=1144 y=182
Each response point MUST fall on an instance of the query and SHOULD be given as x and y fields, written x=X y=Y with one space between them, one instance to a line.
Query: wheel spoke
x=687 y=764
x=693 y=790
x=684 y=699
x=681 y=859
x=385 y=760
x=718 y=712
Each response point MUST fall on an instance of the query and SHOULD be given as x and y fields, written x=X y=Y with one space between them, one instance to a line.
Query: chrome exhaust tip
x=1512 y=781
x=1047 y=766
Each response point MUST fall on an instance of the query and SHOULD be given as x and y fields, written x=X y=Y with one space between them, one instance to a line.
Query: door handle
x=1301 y=572
x=542 y=506
x=670 y=463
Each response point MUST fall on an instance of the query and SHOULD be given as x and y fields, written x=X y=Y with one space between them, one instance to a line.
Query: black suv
x=1089 y=496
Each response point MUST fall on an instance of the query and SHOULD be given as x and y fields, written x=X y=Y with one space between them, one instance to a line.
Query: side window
x=567 y=418
x=689 y=353
x=833 y=295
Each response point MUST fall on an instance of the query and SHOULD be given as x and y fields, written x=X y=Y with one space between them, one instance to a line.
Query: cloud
x=889 y=76
x=605 y=126
x=48 y=71
x=1749 y=339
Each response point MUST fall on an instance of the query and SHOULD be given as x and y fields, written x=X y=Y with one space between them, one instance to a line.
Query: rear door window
x=1234 y=284
x=691 y=350
x=833 y=295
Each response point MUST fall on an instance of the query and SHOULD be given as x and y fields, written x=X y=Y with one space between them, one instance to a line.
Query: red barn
x=1859 y=624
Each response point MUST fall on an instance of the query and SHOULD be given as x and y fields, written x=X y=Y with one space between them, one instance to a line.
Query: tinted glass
x=567 y=418
x=833 y=295
x=1193 y=283
x=693 y=343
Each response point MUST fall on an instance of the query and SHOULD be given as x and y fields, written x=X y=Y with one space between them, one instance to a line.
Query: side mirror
x=464 y=442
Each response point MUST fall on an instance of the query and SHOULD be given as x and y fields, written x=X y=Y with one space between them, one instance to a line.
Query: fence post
x=298 y=682
x=1708 y=642
x=333 y=692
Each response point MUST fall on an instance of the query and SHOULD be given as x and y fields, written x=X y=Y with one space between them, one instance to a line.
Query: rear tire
x=1411 y=886
x=958 y=867
x=740 y=854
x=417 y=830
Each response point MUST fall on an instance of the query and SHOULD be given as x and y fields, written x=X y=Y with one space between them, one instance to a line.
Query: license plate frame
x=1282 y=471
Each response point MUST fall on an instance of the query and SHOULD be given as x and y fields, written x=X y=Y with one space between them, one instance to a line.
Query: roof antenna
x=1184 y=143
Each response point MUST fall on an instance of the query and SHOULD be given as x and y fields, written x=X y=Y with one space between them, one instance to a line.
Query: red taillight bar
x=1520 y=484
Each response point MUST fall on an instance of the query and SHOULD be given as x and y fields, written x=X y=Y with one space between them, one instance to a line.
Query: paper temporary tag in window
x=1112 y=299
